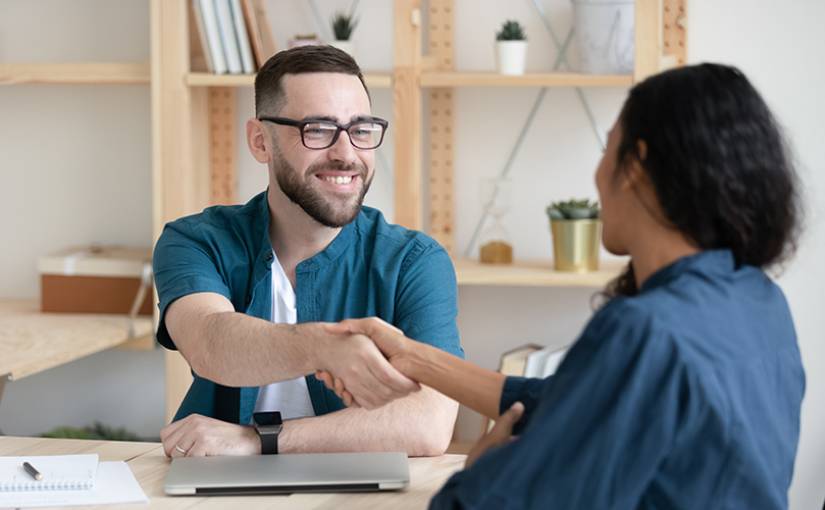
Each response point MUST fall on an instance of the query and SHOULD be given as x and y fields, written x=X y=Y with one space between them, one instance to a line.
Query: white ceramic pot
x=346 y=46
x=511 y=56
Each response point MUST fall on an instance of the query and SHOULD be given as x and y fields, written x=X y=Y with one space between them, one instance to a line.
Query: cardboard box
x=96 y=279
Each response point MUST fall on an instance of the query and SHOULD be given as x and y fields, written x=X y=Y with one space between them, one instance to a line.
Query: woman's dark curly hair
x=717 y=162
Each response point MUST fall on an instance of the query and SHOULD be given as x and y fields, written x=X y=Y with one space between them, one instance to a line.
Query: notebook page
x=60 y=472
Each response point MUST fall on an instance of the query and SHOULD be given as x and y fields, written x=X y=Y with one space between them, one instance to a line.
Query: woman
x=684 y=389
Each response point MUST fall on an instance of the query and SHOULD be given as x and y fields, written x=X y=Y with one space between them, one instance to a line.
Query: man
x=245 y=290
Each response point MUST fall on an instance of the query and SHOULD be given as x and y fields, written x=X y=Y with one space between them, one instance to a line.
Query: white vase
x=346 y=46
x=511 y=56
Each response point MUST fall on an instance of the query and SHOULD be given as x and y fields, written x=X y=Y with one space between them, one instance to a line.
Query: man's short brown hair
x=269 y=94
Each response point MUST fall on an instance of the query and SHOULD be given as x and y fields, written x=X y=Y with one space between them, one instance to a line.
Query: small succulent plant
x=342 y=25
x=573 y=210
x=511 y=30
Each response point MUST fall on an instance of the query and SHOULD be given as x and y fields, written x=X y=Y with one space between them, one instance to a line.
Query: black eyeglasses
x=365 y=133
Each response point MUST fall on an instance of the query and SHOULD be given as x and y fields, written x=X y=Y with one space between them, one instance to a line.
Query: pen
x=33 y=472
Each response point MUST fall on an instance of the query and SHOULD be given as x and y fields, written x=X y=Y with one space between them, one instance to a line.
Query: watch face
x=268 y=418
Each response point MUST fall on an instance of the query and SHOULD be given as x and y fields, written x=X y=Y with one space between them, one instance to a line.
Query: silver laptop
x=288 y=473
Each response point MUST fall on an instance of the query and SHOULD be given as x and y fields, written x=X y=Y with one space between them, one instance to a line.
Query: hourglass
x=496 y=247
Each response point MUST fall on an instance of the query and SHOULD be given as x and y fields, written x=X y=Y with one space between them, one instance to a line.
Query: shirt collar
x=325 y=256
x=706 y=262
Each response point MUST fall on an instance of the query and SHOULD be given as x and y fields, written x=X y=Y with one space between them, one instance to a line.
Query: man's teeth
x=339 y=179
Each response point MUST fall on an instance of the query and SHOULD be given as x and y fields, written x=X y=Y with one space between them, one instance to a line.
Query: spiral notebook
x=60 y=472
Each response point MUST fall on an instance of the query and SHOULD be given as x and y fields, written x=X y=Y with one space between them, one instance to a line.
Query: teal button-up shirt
x=370 y=269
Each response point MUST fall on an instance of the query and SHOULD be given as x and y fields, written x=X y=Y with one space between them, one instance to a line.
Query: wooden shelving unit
x=373 y=80
x=532 y=274
x=485 y=79
x=79 y=73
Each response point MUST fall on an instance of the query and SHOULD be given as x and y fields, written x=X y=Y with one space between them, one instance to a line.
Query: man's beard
x=311 y=200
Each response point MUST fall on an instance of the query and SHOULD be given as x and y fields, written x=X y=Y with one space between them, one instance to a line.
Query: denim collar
x=325 y=257
x=716 y=262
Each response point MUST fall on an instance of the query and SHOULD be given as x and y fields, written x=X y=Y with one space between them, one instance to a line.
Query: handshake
x=367 y=362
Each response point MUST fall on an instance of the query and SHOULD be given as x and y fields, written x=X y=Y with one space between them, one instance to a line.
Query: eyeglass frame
x=300 y=124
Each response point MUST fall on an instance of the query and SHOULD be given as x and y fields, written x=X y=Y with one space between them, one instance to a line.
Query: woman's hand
x=501 y=434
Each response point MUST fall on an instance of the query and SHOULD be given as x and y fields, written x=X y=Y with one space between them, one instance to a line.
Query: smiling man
x=245 y=291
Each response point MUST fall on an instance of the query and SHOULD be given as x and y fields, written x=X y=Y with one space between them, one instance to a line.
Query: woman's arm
x=477 y=388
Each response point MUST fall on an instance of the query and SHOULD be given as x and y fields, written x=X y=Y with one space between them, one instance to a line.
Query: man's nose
x=342 y=149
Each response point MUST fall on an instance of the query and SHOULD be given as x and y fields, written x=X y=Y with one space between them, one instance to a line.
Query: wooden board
x=648 y=38
x=532 y=274
x=674 y=30
x=407 y=114
x=31 y=341
x=442 y=122
x=78 y=73
x=485 y=79
x=223 y=189
x=372 y=79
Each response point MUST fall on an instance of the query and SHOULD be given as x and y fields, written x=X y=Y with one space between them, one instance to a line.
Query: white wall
x=75 y=168
x=92 y=154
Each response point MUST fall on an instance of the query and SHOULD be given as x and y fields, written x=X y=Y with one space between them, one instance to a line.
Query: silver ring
x=181 y=450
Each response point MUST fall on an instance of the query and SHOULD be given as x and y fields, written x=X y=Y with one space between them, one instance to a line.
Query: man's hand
x=198 y=436
x=369 y=379
x=501 y=434
x=389 y=339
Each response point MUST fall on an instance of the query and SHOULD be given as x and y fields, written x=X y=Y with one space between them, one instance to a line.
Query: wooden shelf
x=373 y=80
x=533 y=274
x=32 y=341
x=99 y=73
x=487 y=79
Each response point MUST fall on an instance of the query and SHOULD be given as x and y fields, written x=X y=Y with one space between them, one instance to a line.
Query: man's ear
x=257 y=141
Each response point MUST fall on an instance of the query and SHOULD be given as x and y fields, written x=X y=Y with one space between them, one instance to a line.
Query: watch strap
x=269 y=443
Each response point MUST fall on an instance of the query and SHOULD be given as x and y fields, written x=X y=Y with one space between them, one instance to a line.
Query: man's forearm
x=420 y=425
x=241 y=350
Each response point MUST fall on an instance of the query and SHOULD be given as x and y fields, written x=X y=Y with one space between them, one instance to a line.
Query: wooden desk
x=149 y=465
x=31 y=341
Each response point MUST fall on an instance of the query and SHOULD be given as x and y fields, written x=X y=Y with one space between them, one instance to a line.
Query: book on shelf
x=206 y=20
x=514 y=362
x=260 y=31
x=228 y=38
x=247 y=62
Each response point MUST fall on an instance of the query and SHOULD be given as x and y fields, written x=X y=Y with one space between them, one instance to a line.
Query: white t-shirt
x=290 y=397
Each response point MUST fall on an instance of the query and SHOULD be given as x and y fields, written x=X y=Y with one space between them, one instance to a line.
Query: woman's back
x=684 y=396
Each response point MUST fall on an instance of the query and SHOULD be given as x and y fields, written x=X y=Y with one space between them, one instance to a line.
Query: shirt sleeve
x=601 y=428
x=183 y=264
x=426 y=300
x=525 y=390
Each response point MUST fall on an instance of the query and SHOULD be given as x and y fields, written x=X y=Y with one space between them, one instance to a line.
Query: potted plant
x=577 y=234
x=511 y=48
x=343 y=25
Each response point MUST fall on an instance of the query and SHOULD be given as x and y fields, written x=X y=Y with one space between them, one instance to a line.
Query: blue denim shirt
x=371 y=268
x=687 y=395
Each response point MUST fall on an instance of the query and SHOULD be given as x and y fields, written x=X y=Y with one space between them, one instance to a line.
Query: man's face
x=328 y=184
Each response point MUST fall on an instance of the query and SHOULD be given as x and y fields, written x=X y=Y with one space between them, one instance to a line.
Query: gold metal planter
x=576 y=244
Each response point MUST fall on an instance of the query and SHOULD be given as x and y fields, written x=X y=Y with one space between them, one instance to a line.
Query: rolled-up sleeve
x=426 y=300
x=183 y=264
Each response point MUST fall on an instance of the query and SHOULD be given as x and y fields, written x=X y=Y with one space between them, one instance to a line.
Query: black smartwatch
x=268 y=425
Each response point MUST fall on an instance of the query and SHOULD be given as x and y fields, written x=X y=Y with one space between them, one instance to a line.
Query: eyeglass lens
x=363 y=135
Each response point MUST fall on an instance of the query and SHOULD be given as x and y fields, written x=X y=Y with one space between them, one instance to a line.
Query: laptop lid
x=288 y=473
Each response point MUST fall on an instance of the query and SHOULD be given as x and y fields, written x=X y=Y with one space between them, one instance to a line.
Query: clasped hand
x=380 y=373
